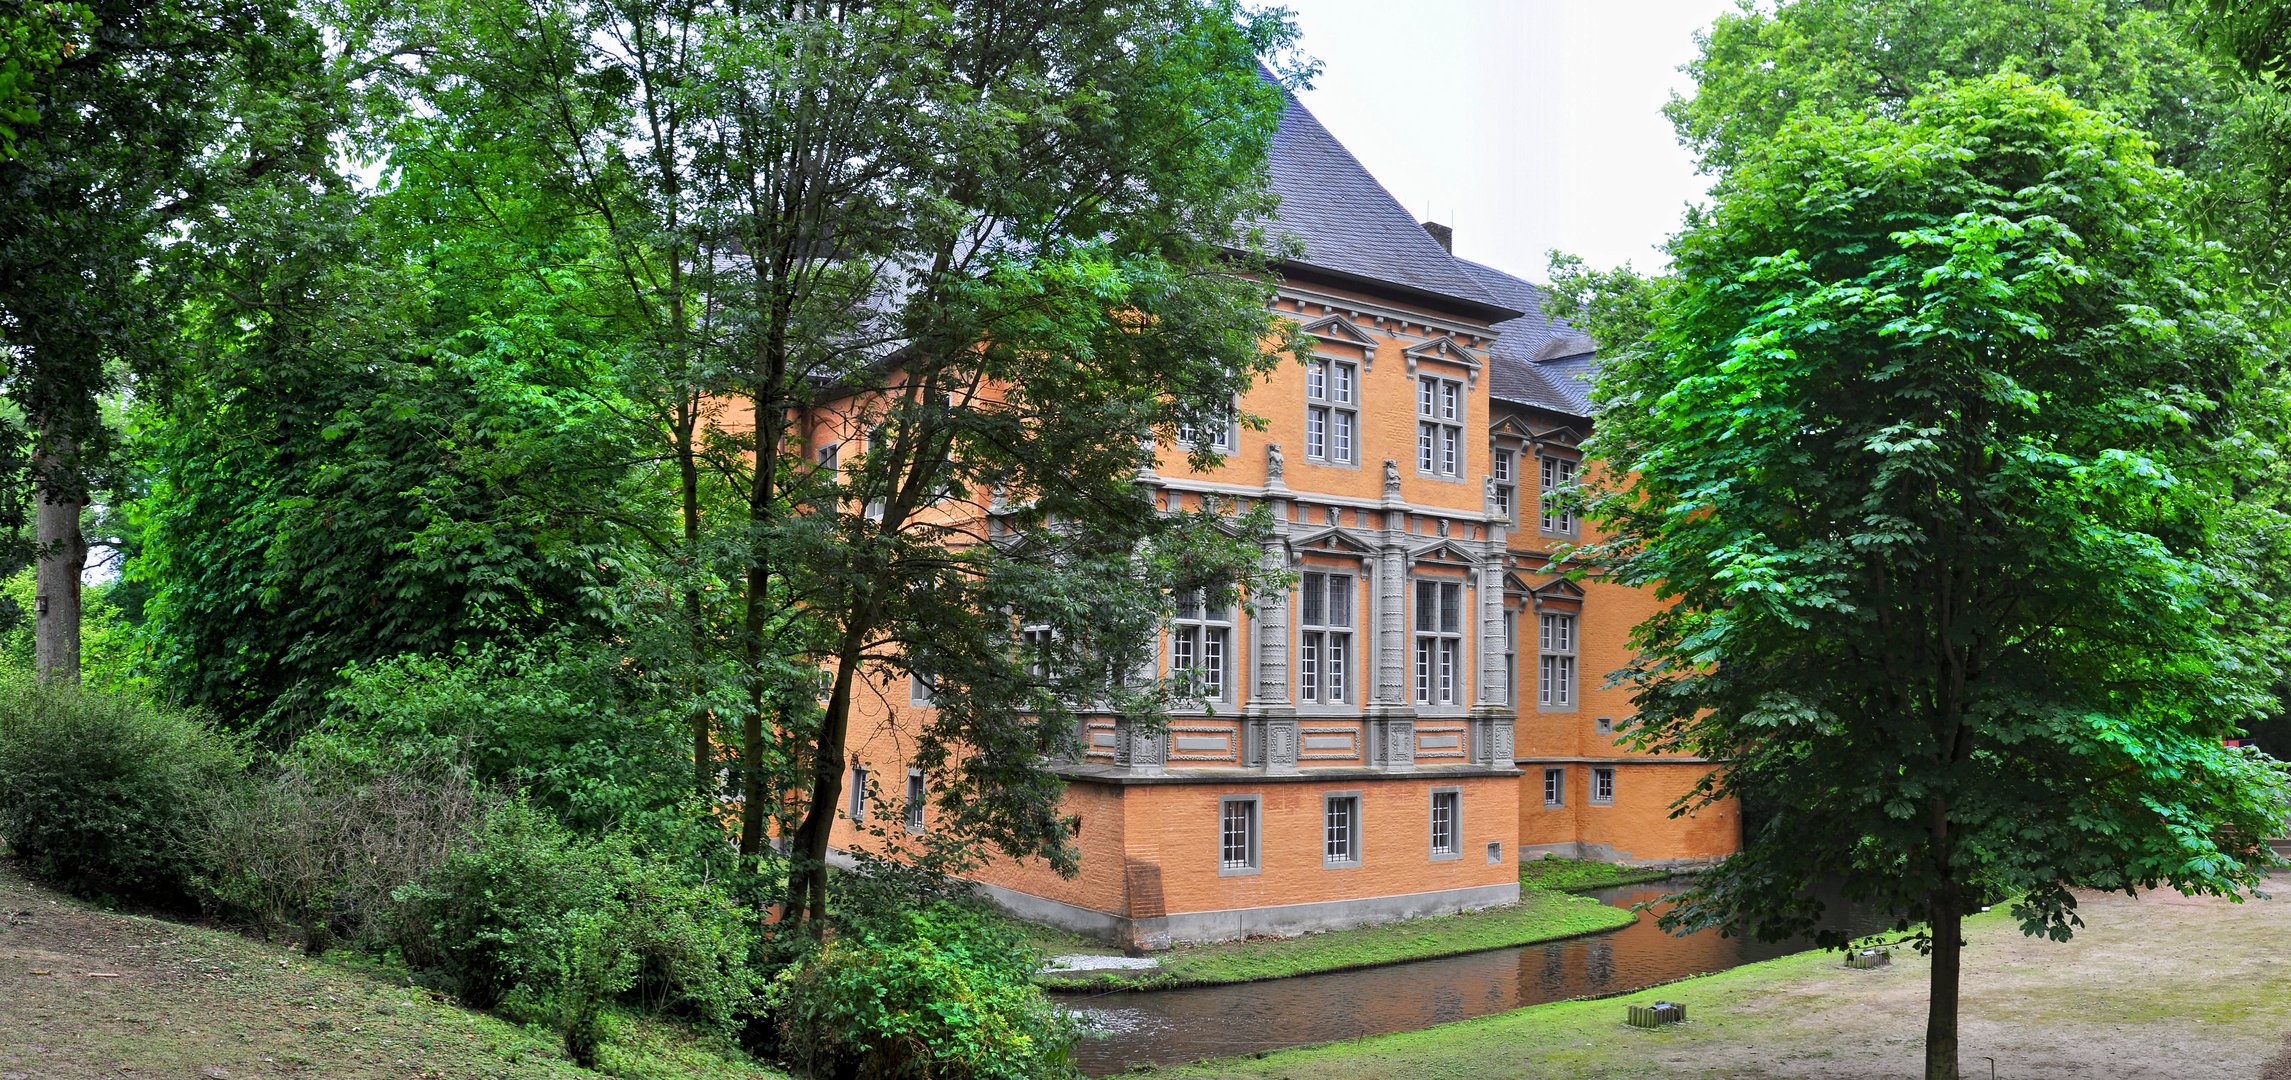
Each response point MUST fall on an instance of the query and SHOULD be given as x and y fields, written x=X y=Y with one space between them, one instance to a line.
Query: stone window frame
x=1598 y=773
x=918 y=797
x=1445 y=429
x=1556 y=473
x=1455 y=848
x=1329 y=404
x=1503 y=467
x=1230 y=669
x=1253 y=842
x=1555 y=787
x=855 y=800
x=1356 y=836
x=1423 y=685
x=1557 y=666
x=1352 y=631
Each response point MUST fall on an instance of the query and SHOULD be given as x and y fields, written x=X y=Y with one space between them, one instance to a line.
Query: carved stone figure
x=1274 y=465
x=1391 y=477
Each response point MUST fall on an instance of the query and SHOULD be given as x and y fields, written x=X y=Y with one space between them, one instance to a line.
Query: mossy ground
x=2163 y=985
x=210 y=1004
x=1539 y=916
x=1581 y=875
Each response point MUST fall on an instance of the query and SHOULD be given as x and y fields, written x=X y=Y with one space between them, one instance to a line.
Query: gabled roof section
x=1536 y=359
x=1444 y=551
x=1333 y=540
x=1354 y=232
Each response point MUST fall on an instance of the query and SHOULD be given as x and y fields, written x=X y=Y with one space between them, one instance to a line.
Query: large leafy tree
x=1000 y=244
x=166 y=109
x=1934 y=450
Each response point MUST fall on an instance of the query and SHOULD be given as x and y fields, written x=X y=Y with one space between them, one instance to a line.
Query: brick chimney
x=1442 y=233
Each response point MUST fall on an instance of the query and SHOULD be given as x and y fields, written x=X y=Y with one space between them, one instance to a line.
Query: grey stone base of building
x=1198 y=927
x=1607 y=853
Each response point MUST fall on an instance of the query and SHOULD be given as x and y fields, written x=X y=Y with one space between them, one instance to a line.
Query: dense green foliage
x=101 y=793
x=1582 y=875
x=1935 y=448
x=936 y=992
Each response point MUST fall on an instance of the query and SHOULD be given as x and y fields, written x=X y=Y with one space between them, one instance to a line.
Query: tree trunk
x=63 y=554
x=695 y=615
x=1946 y=908
x=807 y=869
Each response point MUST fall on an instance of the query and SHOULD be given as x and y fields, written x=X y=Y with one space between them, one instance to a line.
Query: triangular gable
x=1510 y=424
x=1558 y=588
x=1445 y=348
x=1567 y=437
x=1444 y=551
x=1333 y=541
x=1341 y=329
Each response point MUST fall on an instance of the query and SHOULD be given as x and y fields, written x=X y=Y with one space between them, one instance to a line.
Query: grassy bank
x=87 y=993
x=1579 y=875
x=1539 y=916
x=2146 y=989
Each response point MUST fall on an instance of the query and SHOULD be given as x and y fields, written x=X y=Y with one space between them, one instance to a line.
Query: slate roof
x=1561 y=383
x=1354 y=231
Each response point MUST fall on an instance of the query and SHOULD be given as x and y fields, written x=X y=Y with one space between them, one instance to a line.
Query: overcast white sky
x=1526 y=124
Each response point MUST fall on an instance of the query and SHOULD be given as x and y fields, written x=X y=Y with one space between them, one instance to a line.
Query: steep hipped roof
x=1354 y=231
x=1562 y=381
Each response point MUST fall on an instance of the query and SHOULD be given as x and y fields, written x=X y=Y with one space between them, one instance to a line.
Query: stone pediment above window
x=1557 y=438
x=1513 y=427
x=1332 y=542
x=1445 y=551
x=1340 y=330
x=1445 y=350
x=1558 y=594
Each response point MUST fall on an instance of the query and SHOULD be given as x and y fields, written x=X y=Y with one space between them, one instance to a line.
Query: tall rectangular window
x=1340 y=830
x=1439 y=426
x=1439 y=641
x=1036 y=642
x=1237 y=835
x=857 y=807
x=1555 y=786
x=1447 y=823
x=1201 y=643
x=1555 y=645
x=1558 y=477
x=1222 y=435
x=1603 y=785
x=915 y=795
x=1332 y=410
x=1324 y=640
x=1500 y=464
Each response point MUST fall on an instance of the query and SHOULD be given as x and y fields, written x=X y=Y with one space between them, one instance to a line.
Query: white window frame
x=1440 y=422
x=1502 y=464
x=1325 y=642
x=1452 y=846
x=1602 y=775
x=1557 y=477
x=1036 y=641
x=1205 y=641
x=1554 y=786
x=855 y=805
x=1246 y=857
x=1332 y=411
x=1225 y=440
x=1555 y=669
x=1438 y=670
x=1341 y=833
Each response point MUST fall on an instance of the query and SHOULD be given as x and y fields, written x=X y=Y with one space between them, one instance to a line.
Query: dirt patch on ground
x=86 y=993
x=2159 y=986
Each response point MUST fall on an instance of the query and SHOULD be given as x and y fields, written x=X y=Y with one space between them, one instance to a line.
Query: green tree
x=35 y=37
x=171 y=108
x=1007 y=243
x=1934 y=450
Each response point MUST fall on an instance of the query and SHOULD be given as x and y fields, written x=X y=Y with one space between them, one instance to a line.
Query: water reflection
x=1184 y=1025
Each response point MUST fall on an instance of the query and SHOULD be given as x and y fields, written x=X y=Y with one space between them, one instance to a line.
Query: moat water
x=1169 y=1026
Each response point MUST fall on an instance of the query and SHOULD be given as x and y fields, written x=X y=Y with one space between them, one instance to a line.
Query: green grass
x=1539 y=916
x=1580 y=875
x=190 y=1001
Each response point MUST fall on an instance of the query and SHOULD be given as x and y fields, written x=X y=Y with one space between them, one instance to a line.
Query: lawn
x=2163 y=985
x=87 y=993
x=1539 y=916
x=1582 y=875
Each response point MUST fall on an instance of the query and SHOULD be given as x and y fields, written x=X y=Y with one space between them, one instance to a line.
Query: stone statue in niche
x=1488 y=490
x=1391 y=477
x=1274 y=464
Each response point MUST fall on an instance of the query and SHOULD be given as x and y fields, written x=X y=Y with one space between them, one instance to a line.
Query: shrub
x=101 y=792
x=319 y=845
x=935 y=994
x=593 y=966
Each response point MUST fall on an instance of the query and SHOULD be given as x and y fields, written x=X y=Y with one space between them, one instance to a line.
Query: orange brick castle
x=1426 y=706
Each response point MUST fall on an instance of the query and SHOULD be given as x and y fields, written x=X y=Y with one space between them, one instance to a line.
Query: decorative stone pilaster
x=1142 y=751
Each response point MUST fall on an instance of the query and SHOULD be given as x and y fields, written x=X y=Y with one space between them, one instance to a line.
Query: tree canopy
x=1935 y=447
